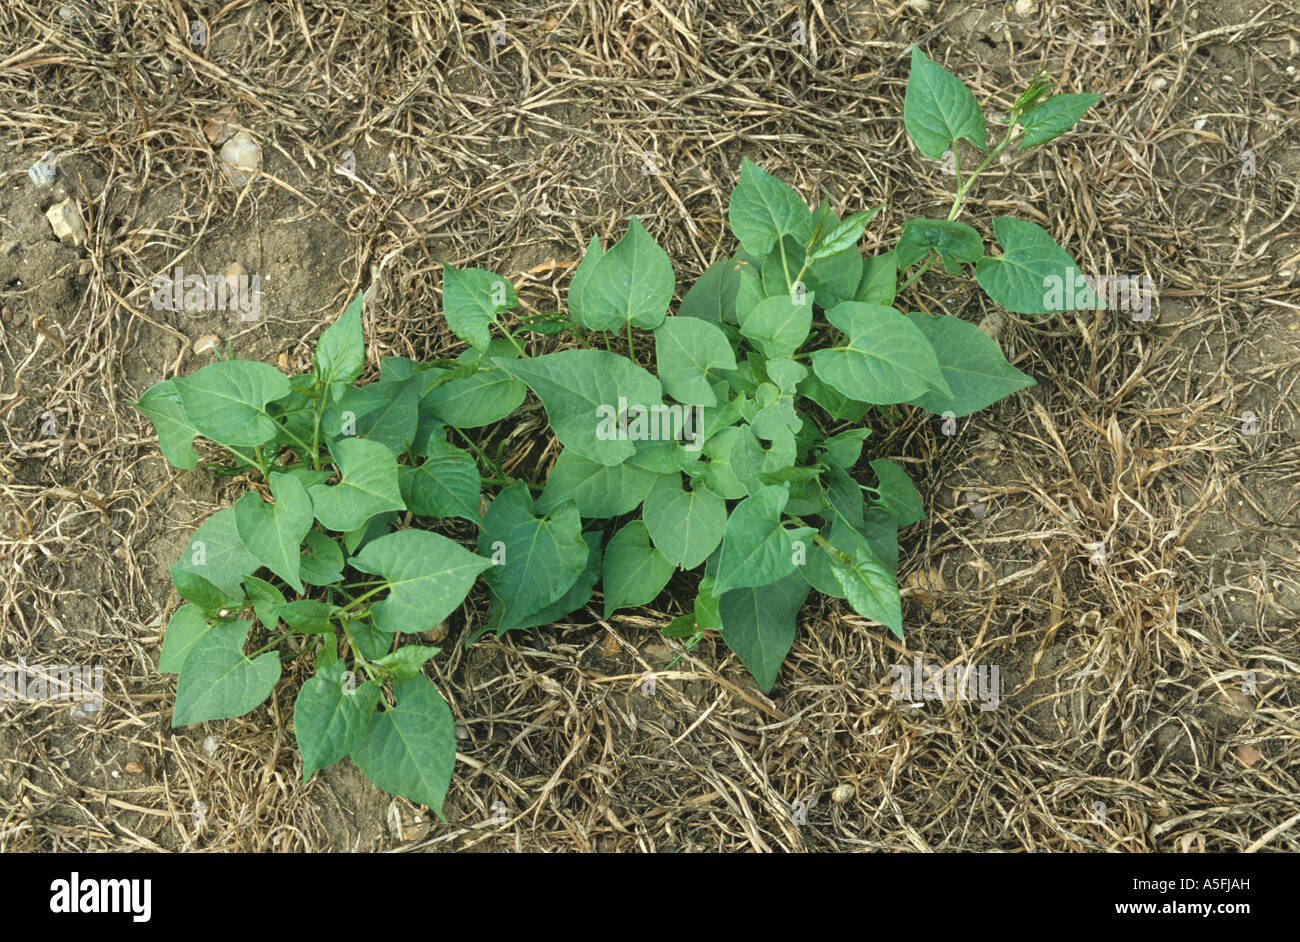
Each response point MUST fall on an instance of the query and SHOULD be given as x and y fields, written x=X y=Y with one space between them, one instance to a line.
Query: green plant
x=773 y=361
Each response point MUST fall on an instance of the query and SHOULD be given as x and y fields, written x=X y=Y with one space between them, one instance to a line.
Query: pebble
x=842 y=793
x=134 y=768
x=65 y=220
x=1025 y=8
x=206 y=343
x=242 y=158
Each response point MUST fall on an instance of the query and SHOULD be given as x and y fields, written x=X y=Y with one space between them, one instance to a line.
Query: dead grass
x=1123 y=679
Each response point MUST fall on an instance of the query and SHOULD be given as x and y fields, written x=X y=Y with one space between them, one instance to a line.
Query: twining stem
x=488 y=462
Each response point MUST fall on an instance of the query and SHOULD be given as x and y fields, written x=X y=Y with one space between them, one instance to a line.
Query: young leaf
x=321 y=560
x=1051 y=118
x=756 y=548
x=713 y=296
x=218 y=682
x=445 y=484
x=686 y=348
x=332 y=716
x=485 y=396
x=340 y=352
x=367 y=486
x=1033 y=275
x=779 y=324
x=955 y=242
x=786 y=374
x=537 y=559
x=216 y=552
x=267 y=601
x=309 y=615
x=758 y=624
x=161 y=404
x=597 y=489
x=762 y=209
x=226 y=401
x=406 y=661
x=635 y=572
x=631 y=283
x=685 y=526
x=387 y=412
x=886 y=359
x=842 y=236
x=938 y=109
x=273 y=532
x=870 y=588
x=898 y=494
x=411 y=747
x=212 y=599
x=879 y=282
x=580 y=278
x=471 y=300
x=187 y=626
x=584 y=392
x=845 y=448
x=972 y=363
x=428 y=576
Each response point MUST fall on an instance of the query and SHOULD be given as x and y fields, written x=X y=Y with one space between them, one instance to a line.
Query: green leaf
x=635 y=572
x=386 y=412
x=578 y=595
x=786 y=374
x=583 y=391
x=161 y=404
x=374 y=528
x=471 y=300
x=972 y=363
x=273 y=532
x=1033 y=275
x=216 y=552
x=879 y=283
x=836 y=405
x=632 y=282
x=719 y=472
x=685 y=526
x=845 y=448
x=756 y=548
x=938 y=109
x=955 y=242
x=226 y=401
x=267 y=601
x=842 y=236
x=486 y=396
x=582 y=276
x=370 y=641
x=186 y=627
x=340 y=352
x=321 y=561
x=898 y=494
x=758 y=624
x=367 y=486
x=870 y=588
x=332 y=716
x=536 y=559
x=218 y=682
x=597 y=489
x=406 y=661
x=211 y=598
x=686 y=348
x=762 y=209
x=445 y=484
x=309 y=615
x=411 y=747
x=1051 y=118
x=779 y=324
x=428 y=576
x=713 y=296
x=887 y=359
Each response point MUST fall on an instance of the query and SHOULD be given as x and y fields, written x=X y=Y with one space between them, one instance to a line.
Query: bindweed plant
x=737 y=456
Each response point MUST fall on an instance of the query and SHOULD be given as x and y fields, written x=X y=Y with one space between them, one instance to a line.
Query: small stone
x=242 y=158
x=920 y=6
x=1159 y=83
x=206 y=343
x=65 y=220
x=842 y=793
x=234 y=273
x=134 y=768
x=1248 y=755
x=210 y=745
x=42 y=172
x=1025 y=8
